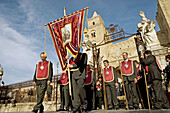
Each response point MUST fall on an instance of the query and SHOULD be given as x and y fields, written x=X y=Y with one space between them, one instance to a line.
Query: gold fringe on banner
x=60 y=19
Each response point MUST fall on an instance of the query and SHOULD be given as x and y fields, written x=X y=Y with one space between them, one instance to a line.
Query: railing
x=26 y=83
x=25 y=92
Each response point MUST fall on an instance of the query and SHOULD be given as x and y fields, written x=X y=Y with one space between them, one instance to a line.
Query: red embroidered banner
x=66 y=34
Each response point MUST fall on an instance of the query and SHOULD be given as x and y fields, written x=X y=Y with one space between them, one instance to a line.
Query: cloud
x=21 y=41
x=17 y=53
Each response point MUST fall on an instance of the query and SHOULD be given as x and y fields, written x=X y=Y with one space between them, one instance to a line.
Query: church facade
x=113 y=51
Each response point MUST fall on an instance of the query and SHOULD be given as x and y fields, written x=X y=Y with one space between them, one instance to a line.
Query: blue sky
x=22 y=28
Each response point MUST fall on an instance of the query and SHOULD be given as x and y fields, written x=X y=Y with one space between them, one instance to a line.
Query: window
x=93 y=23
x=93 y=34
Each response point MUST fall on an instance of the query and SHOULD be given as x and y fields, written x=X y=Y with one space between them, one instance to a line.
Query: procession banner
x=66 y=34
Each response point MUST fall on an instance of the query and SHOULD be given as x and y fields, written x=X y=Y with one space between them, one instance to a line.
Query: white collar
x=107 y=67
x=137 y=66
x=126 y=60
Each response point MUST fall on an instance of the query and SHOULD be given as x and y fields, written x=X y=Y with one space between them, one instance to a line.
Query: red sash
x=75 y=61
x=108 y=74
x=127 y=68
x=138 y=68
x=159 y=66
x=146 y=68
x=89 y=78
x=42 y=70
x=63 y=79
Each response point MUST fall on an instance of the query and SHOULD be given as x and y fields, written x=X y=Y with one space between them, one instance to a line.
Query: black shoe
x=155 y=108
x=110 y=108
x=76 y=110
x=116 y=107
x=131 y=107
x=136 y=107
x=41 y=112
x=34 y=111
x=84 y=110
x=165 y=107
x=61 y=109
x=93 y=108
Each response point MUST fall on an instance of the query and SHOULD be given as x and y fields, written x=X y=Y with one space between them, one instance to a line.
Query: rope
x=45 y=41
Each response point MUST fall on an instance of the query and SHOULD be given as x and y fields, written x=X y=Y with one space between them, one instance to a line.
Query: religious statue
x=86 y=47
x=147 y=29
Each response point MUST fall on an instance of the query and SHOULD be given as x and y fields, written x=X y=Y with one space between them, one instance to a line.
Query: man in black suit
x=167 y=68
x=78 y=76
x=154 y=77
x=42 y=78
x=111 y=83
x=129 y=73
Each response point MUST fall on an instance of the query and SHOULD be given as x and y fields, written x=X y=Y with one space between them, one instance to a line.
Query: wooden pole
x=68 y=63
x=54 y=87
x=127 y=107
x=140 y=96
x=147 y=91
x=104 y=90
x=139 y=41
x=57 y=86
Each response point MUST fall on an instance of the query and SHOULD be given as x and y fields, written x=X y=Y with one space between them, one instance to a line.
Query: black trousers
x=111 y=94
x=89 y=95
x=40 y=89
x=79 y=93
x=99 y=96
x=131 y=92
x=141 y=87
x=65 y=100
x=161 y=100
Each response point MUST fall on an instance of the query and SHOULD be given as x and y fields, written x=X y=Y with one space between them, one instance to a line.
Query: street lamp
x=1 y=73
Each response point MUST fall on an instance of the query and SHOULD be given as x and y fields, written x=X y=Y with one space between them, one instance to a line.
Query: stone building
x=163 y=19
x=113 y=51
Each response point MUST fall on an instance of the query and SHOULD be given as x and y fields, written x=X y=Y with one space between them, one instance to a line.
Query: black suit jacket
x=153 y=70
x=81 y=64
x=167 y=71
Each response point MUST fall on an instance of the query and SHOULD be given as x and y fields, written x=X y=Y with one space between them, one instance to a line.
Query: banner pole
x=56 y=86
x=68 y=63
x=139 y=41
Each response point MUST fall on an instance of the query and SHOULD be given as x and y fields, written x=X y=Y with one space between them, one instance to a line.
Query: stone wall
x=25 y=107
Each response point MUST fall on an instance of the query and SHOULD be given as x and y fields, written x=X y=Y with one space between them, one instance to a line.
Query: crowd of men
x=87 y=93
